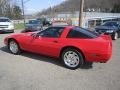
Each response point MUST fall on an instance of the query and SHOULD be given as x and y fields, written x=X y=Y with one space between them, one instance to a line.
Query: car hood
x=105 y=28
x=5 y=23
x=21 y=34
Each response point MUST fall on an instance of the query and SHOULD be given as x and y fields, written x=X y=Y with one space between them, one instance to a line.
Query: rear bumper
x=102 y=54
x=102 y=58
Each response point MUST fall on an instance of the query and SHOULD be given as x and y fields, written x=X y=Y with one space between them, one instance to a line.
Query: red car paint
x=94 y=50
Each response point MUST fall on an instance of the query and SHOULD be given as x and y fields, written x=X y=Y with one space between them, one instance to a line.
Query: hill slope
x=73 y=5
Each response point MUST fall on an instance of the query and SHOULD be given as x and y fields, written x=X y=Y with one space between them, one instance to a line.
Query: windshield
x=34 y=22
x=4 y=20
x=110 y=24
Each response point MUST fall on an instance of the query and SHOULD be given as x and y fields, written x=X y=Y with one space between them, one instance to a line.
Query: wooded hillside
x=90 y=5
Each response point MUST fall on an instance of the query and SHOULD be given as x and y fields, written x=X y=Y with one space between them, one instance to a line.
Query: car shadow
x=44 y=58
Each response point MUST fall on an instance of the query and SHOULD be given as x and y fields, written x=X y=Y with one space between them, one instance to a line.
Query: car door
x=47 y=42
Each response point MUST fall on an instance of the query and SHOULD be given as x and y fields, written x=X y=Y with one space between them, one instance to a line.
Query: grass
x=19 y=26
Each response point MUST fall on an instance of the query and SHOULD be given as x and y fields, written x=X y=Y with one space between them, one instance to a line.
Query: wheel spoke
x=71 y=59
x=13 y=47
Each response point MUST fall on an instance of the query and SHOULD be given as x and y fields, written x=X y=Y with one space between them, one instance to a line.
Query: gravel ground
x=34 y=72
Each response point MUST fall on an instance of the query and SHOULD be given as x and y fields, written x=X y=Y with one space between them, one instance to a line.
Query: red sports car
x=74 y=45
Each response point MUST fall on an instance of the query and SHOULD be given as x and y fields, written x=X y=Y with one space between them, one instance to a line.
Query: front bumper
x=6 y=30
x=111 y=34
x=105 y=33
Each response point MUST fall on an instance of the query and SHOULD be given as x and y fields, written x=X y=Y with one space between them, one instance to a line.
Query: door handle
x=55 y=41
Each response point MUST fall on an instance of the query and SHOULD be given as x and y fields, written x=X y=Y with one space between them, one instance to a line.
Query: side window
x=76 y=34
x=53 y=32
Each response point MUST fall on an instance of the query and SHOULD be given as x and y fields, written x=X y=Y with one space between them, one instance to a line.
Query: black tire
x=13 y=31
x=17 y=46
x=41 y=28
x=119 y=34
x=78 y=55
x=115 y=36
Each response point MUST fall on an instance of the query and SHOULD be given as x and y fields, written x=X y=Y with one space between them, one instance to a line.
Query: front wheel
x=72 y=58
x=14 y=47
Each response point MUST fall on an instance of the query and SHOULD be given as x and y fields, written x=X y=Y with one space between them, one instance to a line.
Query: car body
x=57 y=41
x=33 y=25
x=111 y=28
x=45 y=22
x=6 y=25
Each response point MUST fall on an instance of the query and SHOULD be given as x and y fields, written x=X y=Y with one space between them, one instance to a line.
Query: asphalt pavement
x=30 y=71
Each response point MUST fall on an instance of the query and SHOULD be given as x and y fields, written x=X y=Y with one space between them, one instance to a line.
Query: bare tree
x=4 y=6
x=9 y=8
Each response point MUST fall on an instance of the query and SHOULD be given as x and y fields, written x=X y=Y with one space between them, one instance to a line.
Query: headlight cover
x=110 y=31
x=11 y=26
x=38 y=27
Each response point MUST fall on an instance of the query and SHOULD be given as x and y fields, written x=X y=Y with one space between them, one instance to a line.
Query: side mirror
x=35 y=35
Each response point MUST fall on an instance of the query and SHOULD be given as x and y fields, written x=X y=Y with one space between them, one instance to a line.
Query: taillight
x=106 y=37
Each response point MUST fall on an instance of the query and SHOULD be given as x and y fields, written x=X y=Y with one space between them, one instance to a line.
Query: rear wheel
x=115 y=36
x=72 y=58
x=14 y=47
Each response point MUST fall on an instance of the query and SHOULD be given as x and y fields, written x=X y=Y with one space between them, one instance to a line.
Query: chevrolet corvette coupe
x=73 y=45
